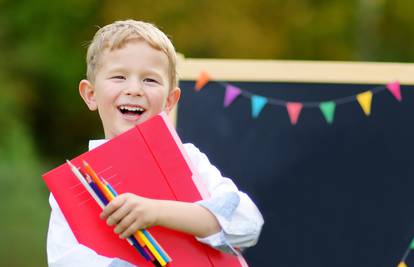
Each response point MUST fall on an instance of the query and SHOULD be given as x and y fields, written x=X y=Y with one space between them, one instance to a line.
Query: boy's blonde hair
x=116 y=35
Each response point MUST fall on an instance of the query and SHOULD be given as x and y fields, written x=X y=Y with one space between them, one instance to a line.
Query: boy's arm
x=188 y=217
x=64 y=250
x=240 y=220
x=226 y=220
x=129 y=212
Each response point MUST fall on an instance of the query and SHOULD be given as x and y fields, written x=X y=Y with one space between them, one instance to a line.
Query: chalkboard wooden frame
x=296 y=71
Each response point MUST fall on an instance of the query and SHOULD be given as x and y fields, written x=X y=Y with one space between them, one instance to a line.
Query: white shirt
x=239 y=218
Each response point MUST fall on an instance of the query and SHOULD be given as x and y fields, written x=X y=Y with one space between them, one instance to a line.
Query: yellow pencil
x=152 y=249
x=159 y=246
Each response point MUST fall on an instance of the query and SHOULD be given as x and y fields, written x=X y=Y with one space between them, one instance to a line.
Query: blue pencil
x=108 y=185
x=155 y=244
x=98 y=192
x=140 y=249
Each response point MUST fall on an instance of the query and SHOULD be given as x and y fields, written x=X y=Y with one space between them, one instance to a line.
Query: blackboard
x=331 y=195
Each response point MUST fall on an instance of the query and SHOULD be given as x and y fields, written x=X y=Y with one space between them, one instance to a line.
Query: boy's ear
x=87 y=92
x=172 y=99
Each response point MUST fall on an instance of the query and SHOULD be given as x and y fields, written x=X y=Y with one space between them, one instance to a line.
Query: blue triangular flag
x=258 y=102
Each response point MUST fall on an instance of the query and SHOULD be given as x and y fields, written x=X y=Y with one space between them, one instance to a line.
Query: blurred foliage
x=43 y=45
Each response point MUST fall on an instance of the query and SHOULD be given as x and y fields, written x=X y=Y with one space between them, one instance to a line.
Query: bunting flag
x=232 y=92
x=294 y=109
x=406 y=253
x=258 y=103
x=202 y=80
x=365 y=100
x=328 y=110
x=395 y=90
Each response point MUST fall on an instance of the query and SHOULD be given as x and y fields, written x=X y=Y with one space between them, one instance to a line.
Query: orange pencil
x=97 y=181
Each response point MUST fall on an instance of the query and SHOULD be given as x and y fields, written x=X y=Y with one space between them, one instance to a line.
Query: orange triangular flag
x=202 y=80
x=365 y=100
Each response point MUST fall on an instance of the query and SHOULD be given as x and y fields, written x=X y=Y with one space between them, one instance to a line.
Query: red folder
x=149 y=161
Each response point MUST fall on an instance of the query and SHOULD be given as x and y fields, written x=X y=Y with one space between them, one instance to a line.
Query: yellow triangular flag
x=402 y=264
x=365 y=100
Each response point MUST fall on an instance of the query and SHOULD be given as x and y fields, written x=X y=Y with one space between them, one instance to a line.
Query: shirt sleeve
x=64 y=250
x=239 y=218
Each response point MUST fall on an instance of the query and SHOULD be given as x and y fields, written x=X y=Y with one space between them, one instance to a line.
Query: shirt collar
x=95 y=143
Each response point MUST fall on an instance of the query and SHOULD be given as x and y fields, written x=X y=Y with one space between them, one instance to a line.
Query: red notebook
x=149 y=161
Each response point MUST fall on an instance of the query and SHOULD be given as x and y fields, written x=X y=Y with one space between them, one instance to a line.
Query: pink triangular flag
x=395 y=90
x=232 y=92
x=294 y=109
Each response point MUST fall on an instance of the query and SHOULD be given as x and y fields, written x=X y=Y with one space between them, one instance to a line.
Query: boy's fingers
x=124 y=223
x=112 y=206
x=130 y=230
x=118 y=214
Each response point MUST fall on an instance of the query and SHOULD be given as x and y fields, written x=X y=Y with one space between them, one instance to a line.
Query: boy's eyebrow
x=153 y=71
x=122 y=68
x=116 y=69
x=149 y=71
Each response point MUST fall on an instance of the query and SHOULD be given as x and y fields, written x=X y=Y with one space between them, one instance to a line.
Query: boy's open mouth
x=131 y=110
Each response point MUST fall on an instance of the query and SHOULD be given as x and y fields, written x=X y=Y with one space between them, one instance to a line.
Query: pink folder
x=147 y=160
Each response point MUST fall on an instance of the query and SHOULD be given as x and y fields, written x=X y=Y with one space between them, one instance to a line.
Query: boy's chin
x=136 y=120
x=127 y=125
x=123 y=127
x=118 y=130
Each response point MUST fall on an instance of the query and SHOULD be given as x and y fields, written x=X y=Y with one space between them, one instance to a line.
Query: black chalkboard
x=331 y=195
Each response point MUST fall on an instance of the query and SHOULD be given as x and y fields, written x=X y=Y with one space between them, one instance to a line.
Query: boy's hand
x=129 y=213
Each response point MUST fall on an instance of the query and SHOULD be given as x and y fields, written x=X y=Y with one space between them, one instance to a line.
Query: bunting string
x=410 y=247
x=306 y=104
x=294 y=108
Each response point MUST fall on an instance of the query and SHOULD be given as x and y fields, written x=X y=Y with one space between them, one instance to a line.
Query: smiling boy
x=131 y=77
x=127 y=91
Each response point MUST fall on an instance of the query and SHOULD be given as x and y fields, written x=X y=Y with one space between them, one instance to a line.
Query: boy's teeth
x=131 y=109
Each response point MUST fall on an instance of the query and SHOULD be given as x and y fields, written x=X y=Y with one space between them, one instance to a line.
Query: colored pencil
x=97 y=181
x=145 y=240
x=85 y=184
x=98 y=200
x=156 y=246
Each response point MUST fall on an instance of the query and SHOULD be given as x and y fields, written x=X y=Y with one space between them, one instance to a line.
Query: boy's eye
x=118 y=77
x=149 y=80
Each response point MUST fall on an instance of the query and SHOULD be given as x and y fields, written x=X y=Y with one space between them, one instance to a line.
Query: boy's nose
x=133 y=89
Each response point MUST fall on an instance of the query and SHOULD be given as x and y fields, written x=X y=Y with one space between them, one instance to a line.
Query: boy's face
x=131 y=85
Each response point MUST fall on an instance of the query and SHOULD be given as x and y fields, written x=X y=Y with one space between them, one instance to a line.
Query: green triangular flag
x=412 y=244
x=328 y=110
